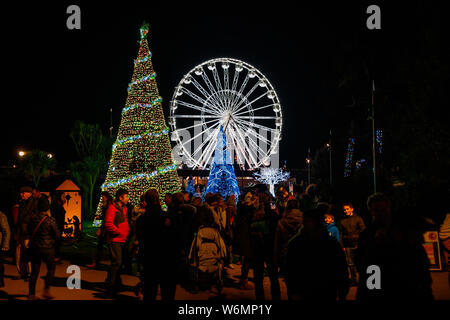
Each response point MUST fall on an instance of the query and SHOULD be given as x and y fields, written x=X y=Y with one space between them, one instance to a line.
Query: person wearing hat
x=42 y=234
x=27 y=206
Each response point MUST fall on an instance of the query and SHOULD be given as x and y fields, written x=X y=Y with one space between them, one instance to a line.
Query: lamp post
x=328 y=145
x=308 y=161
x=110 y=122
x=374 y=152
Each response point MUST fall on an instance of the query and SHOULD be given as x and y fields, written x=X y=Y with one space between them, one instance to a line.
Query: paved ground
x=92 y=286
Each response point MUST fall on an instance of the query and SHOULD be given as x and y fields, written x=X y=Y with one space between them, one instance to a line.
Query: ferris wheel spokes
x=214 y=93
x=195 y=107
x=241 y=89
x=209 y=149
x=242 y=138
x=239 y=144
x=253 y=110
x=199 y=99
x=208 y=140
x=206 y=94
x=249 y=132
x=248 y=104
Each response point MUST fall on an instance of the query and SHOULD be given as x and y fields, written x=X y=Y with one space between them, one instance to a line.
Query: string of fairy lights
x=136 y=61
x=359 y=163
x=349 y=157
x=379 y=139
x=140 y=136
x=139 y=176
x=142 y=105
x=142 y=154
x=143 y=79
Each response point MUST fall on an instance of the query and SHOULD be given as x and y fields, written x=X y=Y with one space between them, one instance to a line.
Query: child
x=333 y=231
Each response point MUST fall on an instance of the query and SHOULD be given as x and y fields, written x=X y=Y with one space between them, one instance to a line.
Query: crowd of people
x=35 y=235
x=319 y=250
x=195 y=241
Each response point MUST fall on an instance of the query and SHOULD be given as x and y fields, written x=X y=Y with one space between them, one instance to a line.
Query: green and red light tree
x=142 y=155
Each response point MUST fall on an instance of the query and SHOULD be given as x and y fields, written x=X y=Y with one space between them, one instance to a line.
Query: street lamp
x=328 y=145
x=308 y=161
x=21 y=153
x=50 y=155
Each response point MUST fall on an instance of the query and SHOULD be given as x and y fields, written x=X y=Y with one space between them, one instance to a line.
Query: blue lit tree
x=191 y=186
x=222 y=178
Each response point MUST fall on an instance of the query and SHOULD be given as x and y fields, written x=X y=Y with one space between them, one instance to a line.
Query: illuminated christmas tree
x=221 y=177
x=142 y=156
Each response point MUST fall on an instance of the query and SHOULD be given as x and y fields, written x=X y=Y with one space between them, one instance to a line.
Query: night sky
x=56 y=76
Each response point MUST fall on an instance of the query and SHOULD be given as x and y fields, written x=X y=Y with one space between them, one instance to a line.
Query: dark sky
x=56 y=76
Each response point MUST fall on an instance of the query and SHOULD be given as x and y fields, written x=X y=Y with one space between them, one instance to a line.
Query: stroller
x=206 y=258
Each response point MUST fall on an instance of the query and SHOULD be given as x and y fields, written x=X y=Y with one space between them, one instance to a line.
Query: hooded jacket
x=116 y=223
x=333 y=231
x=46 y=234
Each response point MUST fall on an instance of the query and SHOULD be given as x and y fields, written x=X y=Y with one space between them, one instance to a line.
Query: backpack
x=205 y=251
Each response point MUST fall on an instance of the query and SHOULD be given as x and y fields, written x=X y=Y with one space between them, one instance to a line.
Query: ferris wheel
x=229 y=93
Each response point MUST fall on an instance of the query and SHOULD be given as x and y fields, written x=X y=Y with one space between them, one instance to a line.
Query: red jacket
x=116 y=223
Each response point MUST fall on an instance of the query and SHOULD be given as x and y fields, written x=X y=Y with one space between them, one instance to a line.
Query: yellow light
x=21 y=153
x=50 y=155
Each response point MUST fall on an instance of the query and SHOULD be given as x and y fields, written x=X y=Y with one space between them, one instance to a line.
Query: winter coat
x=184 y=215
x=116 y=223
x=316 y=268
x=162 y=241
x=208 y=250
x=243 y=220
x=26 y=209
x=219 y=215
x=287 y=227
x=46 y=235
x=5 y=232
x=333 y=231
x=351 y=227
x=262 y=234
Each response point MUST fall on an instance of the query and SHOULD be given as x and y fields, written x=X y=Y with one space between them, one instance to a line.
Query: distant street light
x=50 y=155
x=328 y=145
x=308 y=161
x=21 y=153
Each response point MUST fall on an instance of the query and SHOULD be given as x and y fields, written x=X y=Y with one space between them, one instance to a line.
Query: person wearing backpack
x=208 y=251
x=42 y=234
